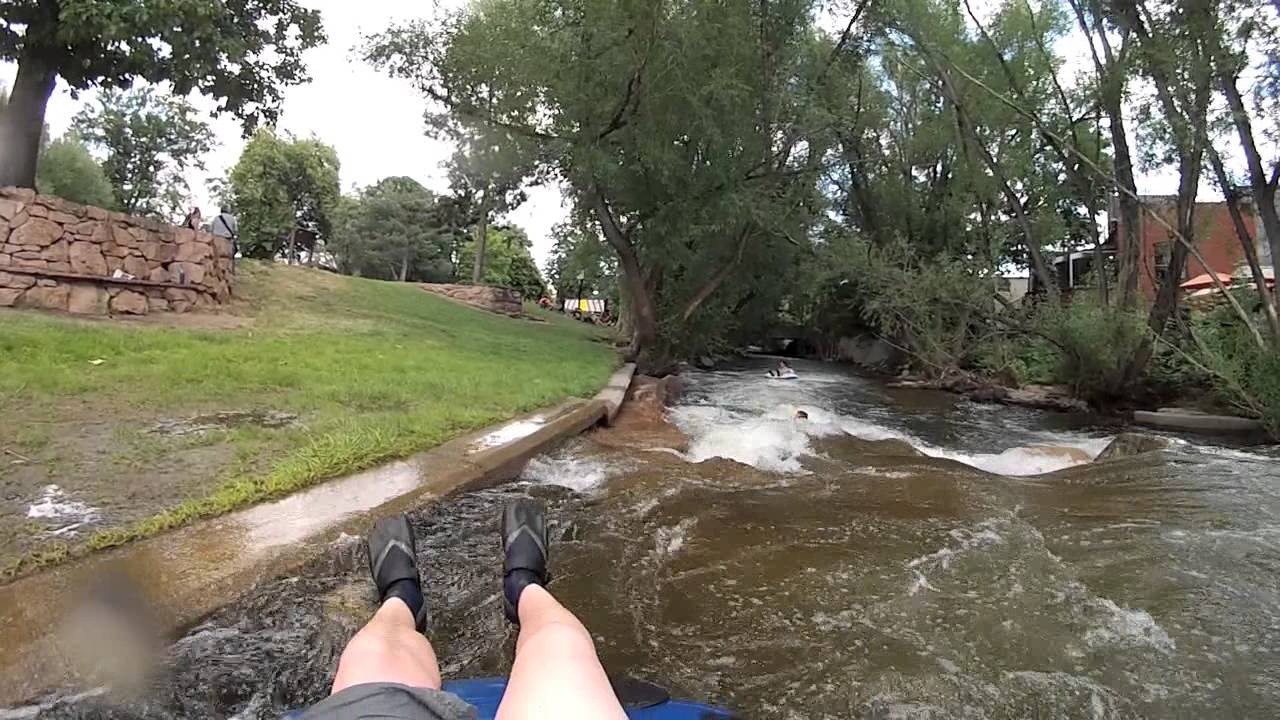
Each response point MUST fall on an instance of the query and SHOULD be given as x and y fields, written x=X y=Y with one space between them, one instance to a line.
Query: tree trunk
x=292 y=248
x=967 y=129
x=403 y=273
x=639 y=303
x=482 y=241
x=22 y=122
x=1263 y=189
x=1266 y=297
x=1128 y=244
x=1190 y=137
x=1111 y=79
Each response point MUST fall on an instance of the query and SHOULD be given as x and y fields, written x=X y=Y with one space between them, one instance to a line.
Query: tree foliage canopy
x=396 y=229
x=283 y=187
x=720 y=150
x=510 y=262
x=244 y=53
x=150 y=141
x=68 y=171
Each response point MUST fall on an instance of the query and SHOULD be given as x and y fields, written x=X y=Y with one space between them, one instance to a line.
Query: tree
x=244 y=54
x=485 y=174
x=394 y=230
x=285 y=191
x=581 y=262
x=70 y=172
x=510 y=262
x=684 y=129
x=150 y=141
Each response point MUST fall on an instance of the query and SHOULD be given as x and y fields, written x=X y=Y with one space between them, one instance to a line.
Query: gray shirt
x=225 y=225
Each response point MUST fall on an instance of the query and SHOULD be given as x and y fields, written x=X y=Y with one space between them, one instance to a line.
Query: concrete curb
x=615 y=392
x=187 y=574
x=1197 y=422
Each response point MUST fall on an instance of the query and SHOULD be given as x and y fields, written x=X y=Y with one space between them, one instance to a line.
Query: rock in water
x=1129 y=444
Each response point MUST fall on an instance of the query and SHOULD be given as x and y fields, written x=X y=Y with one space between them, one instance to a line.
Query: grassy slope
x=375 y=370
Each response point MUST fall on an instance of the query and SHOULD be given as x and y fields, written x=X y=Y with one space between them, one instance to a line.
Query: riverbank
x=114 y=431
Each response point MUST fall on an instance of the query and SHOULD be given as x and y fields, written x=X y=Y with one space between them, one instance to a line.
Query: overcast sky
x=376 y=123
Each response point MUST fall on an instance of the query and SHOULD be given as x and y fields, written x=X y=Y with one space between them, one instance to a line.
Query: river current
x=900 y=554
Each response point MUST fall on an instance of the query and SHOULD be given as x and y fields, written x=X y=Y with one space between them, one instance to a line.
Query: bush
x=931 y=306
x=1095 y=344
x=1246 y=376
x=1171 y=375
x=67 y=170
x=1017 y=359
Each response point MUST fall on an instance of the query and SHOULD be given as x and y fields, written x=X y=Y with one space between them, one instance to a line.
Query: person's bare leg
x=391 y=648
x=556 y=673
x=388 y=649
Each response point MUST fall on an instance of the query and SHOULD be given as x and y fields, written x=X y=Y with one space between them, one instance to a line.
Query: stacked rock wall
x=494 y=299
x=58 y=255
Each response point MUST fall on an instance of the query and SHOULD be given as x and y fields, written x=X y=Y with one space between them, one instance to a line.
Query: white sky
x=376 y=123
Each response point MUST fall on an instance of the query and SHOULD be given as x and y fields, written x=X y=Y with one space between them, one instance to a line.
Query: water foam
x=566 y=469
x=54 y=505
x=1127 y=626
x=1027 y=460
x=769 y=443
x=775 y=441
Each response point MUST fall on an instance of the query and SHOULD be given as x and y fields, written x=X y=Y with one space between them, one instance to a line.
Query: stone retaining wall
x=494 y=299
x=59 y=255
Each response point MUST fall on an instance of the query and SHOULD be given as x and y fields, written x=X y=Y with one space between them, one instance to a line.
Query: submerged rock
x=1129 y=444
x=850 y=447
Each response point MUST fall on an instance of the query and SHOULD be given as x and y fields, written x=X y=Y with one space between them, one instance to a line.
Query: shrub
x=68 y=170
x=1246 y=376
x=1094 y=346
x=931 y=306
x=1017 y=359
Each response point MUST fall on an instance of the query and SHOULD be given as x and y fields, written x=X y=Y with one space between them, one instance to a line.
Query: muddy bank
x=63 y=480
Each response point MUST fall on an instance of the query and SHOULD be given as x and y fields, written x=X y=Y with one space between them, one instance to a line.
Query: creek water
x=900 y=554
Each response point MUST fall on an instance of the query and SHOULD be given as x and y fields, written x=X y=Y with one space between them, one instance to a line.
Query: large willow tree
x=686 y=130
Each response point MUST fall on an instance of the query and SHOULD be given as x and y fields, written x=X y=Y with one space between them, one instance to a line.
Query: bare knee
x=559 y=638
x=375 y=655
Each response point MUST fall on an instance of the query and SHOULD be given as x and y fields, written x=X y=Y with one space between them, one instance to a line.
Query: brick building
x=1215 y=238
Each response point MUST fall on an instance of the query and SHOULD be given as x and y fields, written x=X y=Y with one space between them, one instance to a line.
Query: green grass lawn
x=374 y=370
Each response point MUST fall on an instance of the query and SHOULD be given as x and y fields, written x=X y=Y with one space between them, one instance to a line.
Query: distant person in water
x=389 y=670
x=782 y=369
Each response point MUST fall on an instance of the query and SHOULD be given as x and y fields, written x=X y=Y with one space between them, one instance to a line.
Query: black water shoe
x=393 y=562
x=524 y=552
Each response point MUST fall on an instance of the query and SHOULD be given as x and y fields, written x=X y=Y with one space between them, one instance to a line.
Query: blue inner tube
x=641 y=700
